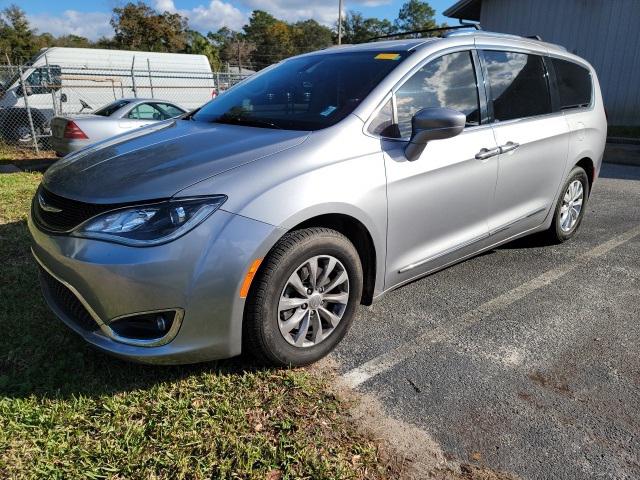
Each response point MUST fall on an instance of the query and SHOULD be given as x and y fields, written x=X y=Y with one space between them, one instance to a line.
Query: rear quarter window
x=574 y=84
x=110 y=109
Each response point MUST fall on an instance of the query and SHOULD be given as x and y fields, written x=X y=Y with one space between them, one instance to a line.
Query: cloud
x=322 y=11
x=207 y=17
x=92 y=25
x=219 y=13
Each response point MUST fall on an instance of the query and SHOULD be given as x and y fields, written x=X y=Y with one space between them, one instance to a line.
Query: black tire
x=555 y=233
x=261 y=335
x=16 y=129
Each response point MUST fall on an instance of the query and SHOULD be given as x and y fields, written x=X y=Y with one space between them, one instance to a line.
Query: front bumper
x=198 y=275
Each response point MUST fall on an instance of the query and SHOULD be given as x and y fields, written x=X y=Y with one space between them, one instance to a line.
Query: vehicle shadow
x=40 y=356
x=535 y=240
x=620 y=172
x=31 y=164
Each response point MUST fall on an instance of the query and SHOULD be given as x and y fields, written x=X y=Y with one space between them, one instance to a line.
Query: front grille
x=67 y=302
x=71 y=212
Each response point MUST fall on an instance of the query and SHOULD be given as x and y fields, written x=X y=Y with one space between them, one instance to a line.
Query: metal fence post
x=49 y=84
x=150 y=81
x=133 y=78
x=26 y=104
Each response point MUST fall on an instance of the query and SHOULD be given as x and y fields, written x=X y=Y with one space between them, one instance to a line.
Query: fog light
x=145 y=326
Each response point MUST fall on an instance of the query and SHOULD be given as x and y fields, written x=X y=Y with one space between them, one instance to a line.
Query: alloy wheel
x=571 y=206
x=313 y=301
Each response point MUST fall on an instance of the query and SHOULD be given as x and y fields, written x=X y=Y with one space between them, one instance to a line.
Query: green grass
x=67 y=411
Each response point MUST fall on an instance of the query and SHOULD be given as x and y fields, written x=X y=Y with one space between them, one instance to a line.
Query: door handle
x=509 y=147
x=487 y=153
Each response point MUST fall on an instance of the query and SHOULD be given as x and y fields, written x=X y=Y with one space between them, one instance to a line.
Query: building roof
x=465 y=10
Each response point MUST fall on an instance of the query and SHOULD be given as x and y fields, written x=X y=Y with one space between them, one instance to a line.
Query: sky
x=91 y=18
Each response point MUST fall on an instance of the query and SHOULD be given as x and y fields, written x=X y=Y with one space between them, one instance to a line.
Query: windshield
x=305 y=93
x=110 y=109
x=8 y=77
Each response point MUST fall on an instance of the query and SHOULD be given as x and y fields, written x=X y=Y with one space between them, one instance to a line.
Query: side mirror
x=433 y=124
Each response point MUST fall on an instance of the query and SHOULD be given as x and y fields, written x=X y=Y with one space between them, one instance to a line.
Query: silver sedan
x=71 y=133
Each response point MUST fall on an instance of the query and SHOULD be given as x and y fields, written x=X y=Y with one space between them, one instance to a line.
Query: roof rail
x=493 y=34
x=475 y=26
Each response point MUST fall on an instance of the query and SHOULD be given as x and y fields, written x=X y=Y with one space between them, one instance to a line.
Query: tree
x=357 y=29
x=198 y=44
x=233 y=46
x=271 y=37
x=139 y=27
x=376 y=27
x=415 y=15
x=309 y=35
x=74 y=41
x=16 y=36
x=279 y=44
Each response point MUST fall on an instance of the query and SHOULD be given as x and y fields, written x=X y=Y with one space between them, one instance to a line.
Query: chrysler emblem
x=46 y=207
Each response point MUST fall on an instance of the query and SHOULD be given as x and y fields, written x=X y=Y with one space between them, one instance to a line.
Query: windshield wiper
x=249 y=122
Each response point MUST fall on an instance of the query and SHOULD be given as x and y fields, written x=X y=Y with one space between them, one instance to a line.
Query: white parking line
x=386 y=361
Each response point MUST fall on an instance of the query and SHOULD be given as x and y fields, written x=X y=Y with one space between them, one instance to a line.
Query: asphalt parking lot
x=525 y=359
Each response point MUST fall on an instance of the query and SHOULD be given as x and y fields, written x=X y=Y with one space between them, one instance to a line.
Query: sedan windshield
x=304 y=93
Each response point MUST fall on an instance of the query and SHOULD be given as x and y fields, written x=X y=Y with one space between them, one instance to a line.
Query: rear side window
x=145 y=111
x=518 y=84
x=110 y=109
x=448 y=81
x=574 y=84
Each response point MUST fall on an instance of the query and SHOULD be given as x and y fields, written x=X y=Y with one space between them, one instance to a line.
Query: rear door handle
x=509 y=147
x=487 y=153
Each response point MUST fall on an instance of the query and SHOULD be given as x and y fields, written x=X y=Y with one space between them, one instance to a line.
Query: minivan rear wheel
x=570 y=207
x=303 y=300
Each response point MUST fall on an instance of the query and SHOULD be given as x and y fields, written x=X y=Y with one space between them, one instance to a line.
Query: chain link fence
x=31 y=96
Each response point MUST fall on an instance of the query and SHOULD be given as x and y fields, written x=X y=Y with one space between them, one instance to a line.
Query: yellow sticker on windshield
x=388 y=56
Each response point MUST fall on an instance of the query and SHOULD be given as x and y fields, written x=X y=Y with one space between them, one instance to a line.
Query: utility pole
x=339 y=22
x=239 y=60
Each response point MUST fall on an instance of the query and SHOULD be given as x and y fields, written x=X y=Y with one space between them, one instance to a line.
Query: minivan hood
x=158 y=161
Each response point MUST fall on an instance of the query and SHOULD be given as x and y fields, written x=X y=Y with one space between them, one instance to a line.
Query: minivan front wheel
x=304 y=298
x=570 y=207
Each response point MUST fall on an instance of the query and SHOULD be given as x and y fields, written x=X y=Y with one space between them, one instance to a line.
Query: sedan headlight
x=153 y=224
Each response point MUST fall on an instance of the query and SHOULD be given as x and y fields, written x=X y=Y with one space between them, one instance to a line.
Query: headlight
x=153 y=224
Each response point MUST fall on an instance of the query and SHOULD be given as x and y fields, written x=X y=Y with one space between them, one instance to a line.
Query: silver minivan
x=259 y=222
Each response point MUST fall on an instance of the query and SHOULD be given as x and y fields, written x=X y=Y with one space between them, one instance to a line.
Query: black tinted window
x=303 y=93
x=110 y=109
x=518 y=85
x=448 y=81
x=574 y=84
